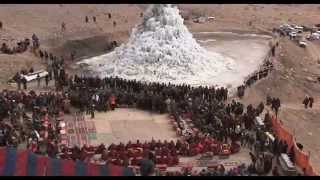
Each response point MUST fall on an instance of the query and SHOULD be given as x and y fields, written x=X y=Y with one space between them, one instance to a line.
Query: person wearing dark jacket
x=87 y=19
x=38 y=80
x=146 y=165
x=47 y=80
x=24 y=82
x=306 y=102
x=311 y=100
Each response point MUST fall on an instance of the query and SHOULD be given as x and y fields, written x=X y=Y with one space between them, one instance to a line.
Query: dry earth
x=288 y=81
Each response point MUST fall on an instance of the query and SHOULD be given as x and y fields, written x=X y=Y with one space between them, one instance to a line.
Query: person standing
x=146 y=165
x=87 y=19
x=113 y=102
x=63 y=27
x=94 y=19
x=24 y=82
x=1 y=25
x=19 y=81
x=38 y=79
x=92 y=108
x=47 y=80
x=306 y=102
x=72 y=55
x=311 y=100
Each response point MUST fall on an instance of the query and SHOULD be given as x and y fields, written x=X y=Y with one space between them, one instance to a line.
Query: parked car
x=302 y=44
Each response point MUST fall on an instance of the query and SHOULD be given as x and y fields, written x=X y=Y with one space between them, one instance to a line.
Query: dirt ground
x=123 y=125
x=288 y=82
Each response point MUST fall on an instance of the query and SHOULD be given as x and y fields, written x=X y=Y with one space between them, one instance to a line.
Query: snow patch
x=162 y=49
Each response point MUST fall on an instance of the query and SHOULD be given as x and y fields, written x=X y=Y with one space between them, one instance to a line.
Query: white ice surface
x=161 y=49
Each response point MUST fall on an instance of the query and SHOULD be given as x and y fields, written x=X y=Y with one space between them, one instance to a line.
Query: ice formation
x=161 y=49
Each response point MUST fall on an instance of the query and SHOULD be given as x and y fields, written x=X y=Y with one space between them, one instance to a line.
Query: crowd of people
x=206 y=107
x=308 y=102
x=21 y=46
x=35 y=119
x=266 y=67
x=30 y=118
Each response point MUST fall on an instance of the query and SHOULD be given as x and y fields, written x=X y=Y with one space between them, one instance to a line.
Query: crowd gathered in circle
x=202 y=116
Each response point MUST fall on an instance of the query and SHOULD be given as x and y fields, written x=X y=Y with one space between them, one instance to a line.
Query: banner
x=26 y=163
x=301 y=159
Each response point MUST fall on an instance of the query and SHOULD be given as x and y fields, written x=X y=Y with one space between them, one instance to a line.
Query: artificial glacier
x=161 y=49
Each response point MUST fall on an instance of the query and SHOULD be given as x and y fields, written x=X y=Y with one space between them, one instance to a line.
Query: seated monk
x=171 y=145
x=175 y=160
x=173 y=152
x=112 y=154
x=100 y=149
x=104 y=155
x=152 y=144
x=178 y=144
x=192 y=152
x=235 y=147
x=165 y=143
x=65 y=155
x=164 y=159
x=111 y=147
x=164 y=151
x=92 y=149
x=199 y=148
x=129 y=145
x=130 y=153
x=83 y=154
x=85 y=148
x=146 y=146
x=158 y=160
x=138 y=144
x=119 y=146
x=157 y=151
x=170 y=161
x=159 y=144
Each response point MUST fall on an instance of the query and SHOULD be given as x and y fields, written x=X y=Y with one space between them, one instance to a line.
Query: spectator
x=306 y=102
x=146 y=165
x=47 y=80
x=38 y=80
x=311 y=100
x=63 y=26
x=86 y=19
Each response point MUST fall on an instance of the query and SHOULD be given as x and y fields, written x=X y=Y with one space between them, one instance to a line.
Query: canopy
x=15 y=162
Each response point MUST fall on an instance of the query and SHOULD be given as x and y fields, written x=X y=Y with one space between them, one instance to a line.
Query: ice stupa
x=161 y=49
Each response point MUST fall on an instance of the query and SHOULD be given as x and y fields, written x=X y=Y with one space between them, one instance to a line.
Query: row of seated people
x=21 y=47
x=115 y=156
x=184 y=124
x=165 y=152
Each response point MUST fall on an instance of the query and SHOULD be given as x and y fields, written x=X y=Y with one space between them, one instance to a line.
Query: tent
x=15 y=162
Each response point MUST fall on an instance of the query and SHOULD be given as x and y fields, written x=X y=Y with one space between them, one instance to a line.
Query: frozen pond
x=247 y=50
